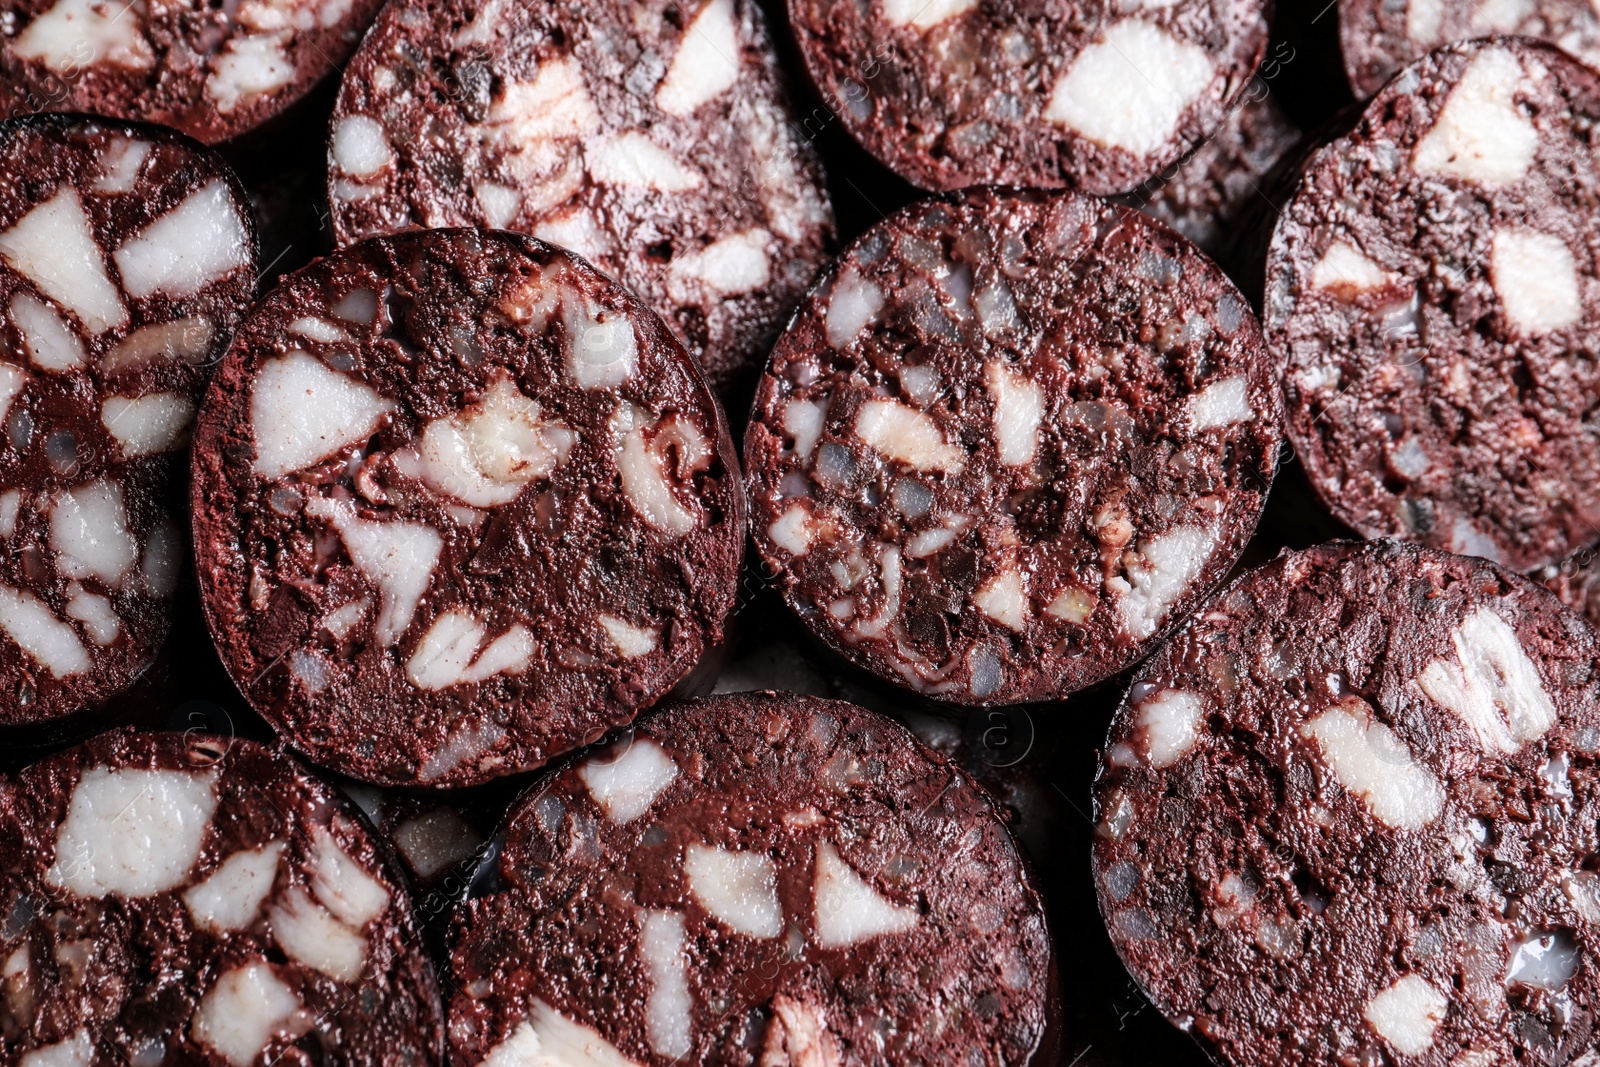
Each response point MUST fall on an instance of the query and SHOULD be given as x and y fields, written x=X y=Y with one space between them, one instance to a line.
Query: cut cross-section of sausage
x=1009 y=440
x=213 y=72
x=1378 y=37
x=651 y=138
x=1347 y=816
x=187 y=898
x=126 y=258
x=1429 y=284
x=757 y=879
x=1096 y=96
x=1209 y=193
x=461 y=504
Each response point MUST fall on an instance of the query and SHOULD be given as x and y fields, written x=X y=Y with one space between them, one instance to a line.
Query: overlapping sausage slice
x=461 y=503
x=1348 y=815
x=1008 y=441
x=651 y=138
x=1434 y=284
x=755 y=879
x=126 y=258
x=186 y=898
x=213 y=71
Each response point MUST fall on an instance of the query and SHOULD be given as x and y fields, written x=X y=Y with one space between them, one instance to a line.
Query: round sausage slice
x=212 y=71
x=1008 y=441
x=1347 y=816
x=461 y=504
x=1378 y=37
x=755 y=879
x=126 y=257
x=651 y=138
x=188 y=898
x=1429 y=283
x=1096 y=96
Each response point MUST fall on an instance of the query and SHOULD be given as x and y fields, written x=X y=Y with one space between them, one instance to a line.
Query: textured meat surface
x=757 y=879
x=213 y=71
x=1007 y=440
x=110 y=324
x=1348 y=816
x=654 y=140
x=188 y=898
x=1097 y=96
x=461 y=504
x=1432 y=285
x=1379 y=37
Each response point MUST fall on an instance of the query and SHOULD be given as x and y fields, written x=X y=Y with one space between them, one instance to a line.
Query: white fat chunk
x=707 y=62
x=1480 y=134
x=602 y=350
x=1425 y=21
x=736 y=264
x=75 y=1051
x=644 y=455
x=159 y=567
x=302 y=411
x=360 y=147
x=1493 y=686
x=924 y=14
x=198 y=243
x=554 y=105
x=1545 y=960
x=669 y=1007
x=1344 y=270
x=467 y=743
x=632 y=161
x=147 y=425
x=848 y=909
x=803 y=421
x=99 y=618
x=90 y=535
x=243 y=1012
x=1502 y=16
x=435 y=840
x=51 y=344
x=1018 y=411
x=1406 y=1014
x=626 y=785
x=54 y=247
x=341 y=620
x=12 y=381
x=739 y=889
x=1222 y=403
x=501 y=204
x=448 y=653
x=308 y=934
x=1371 y=761
x=232 y=897
x=1003 y=599
x=250 y=66
x=185 y=340
x=51 y=643
x=1169 y=725
x=343 y=886
x=791 y=531
x=120 y=165
x=397 y=557
x=852 y=306
x=10 y=511
x=890 y=571
x=578 y=230
x=1537 y=280
x=908 y=436
x=133 y=833
x=549 y=1039
x=1171 y=563
x=486 y=455
x=106 y=33
x=630 y=640
x=1130 y=89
